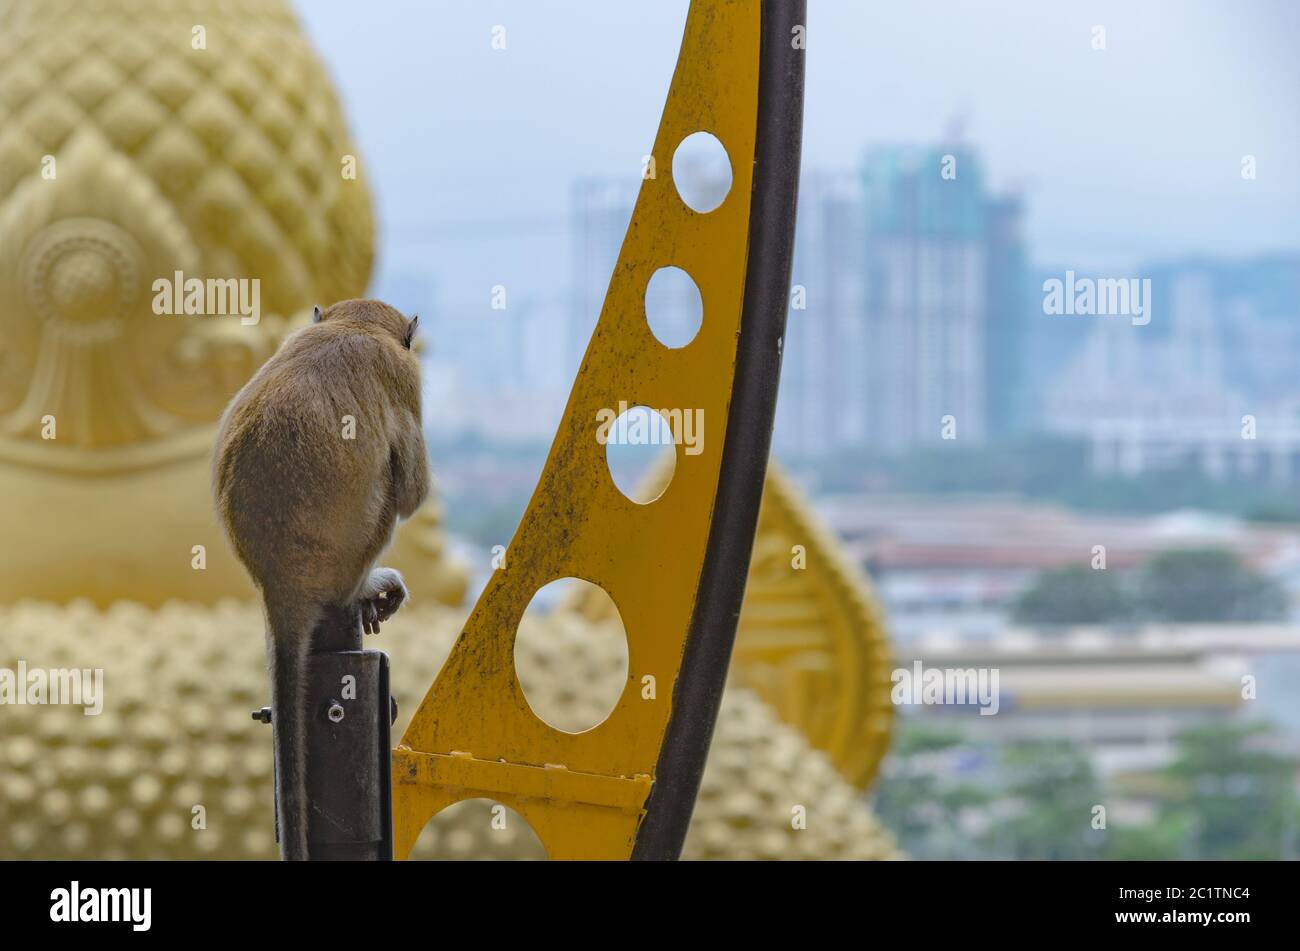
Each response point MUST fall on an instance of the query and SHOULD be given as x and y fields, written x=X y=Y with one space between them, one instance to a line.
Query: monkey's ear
x=410 y=331
x=315 y=314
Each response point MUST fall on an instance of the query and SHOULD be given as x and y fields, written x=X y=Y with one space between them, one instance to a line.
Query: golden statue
x=148 y=140
x=142 y=141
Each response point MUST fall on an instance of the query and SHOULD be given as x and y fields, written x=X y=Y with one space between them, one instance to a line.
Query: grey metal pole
x=349 y=741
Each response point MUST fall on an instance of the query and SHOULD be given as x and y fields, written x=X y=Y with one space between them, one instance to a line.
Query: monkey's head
x=370 y=316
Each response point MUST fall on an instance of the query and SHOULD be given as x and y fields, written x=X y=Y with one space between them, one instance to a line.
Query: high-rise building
x=1256 y=304
x=823 y=400
x=944 y=272
x=908 y=301
x=601 y=210
x=1010 y=401
x=1208 y=381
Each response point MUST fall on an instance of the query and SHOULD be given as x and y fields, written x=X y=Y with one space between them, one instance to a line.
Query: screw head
x=335 y=712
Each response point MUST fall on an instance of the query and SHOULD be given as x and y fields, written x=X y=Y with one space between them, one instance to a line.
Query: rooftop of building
x=900 y=531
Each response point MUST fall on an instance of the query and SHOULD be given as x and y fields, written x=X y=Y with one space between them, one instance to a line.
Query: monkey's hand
x=382 y=594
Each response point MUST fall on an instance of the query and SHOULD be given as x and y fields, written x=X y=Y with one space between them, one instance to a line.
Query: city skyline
x=474 y=187
x=1207 y=309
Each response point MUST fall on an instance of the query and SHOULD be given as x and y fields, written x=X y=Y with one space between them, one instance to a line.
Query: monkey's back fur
x=304 y=454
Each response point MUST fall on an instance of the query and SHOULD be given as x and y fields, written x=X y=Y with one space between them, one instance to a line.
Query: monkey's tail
x=288 y=644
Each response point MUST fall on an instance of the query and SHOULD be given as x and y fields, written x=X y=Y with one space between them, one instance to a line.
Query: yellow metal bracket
x=586 y=794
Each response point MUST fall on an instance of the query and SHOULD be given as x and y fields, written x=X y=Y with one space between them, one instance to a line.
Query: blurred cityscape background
x=1111 y=518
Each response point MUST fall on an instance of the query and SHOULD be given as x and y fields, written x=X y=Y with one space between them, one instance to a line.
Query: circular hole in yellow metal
x=702 y=172
x=571 y=654
x=640 y=447
x=477 y=829
x=673 y=307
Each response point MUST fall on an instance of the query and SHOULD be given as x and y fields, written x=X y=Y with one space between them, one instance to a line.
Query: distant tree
x=1272 y=510
x=1169 y=837
x=917 y=803
x=1236 y=797
x=1074 y=595
x=1050 y=468
x=1206 y=585
x=1225 y=795
x=486 y=522
x=1052 y=793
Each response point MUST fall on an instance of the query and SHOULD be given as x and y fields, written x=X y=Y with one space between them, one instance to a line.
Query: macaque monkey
x=317 y=458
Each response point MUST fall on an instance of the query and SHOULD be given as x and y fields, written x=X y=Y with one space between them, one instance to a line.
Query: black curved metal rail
x=703 y=673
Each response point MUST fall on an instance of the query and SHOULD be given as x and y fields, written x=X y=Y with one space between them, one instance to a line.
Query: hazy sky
x=1127 y=153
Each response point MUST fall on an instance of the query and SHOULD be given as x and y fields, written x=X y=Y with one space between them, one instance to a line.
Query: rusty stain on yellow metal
x=474 y=735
